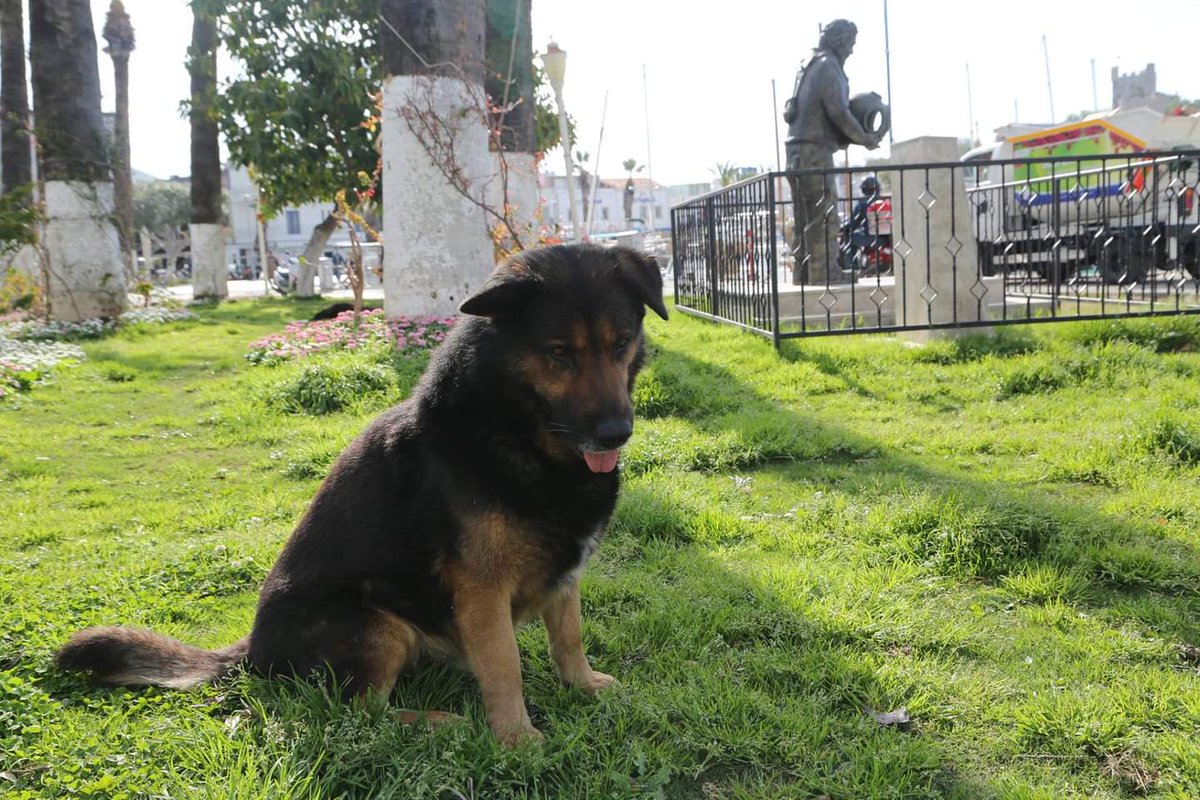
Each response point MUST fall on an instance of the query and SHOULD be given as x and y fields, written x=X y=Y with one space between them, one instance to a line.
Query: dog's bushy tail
x=137 y=657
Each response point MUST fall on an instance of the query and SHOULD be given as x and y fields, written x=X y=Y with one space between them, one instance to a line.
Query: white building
x=286 y=234
x=608 y=204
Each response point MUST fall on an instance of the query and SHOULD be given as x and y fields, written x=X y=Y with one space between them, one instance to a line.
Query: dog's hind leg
x=368 y=665
x=388 y=647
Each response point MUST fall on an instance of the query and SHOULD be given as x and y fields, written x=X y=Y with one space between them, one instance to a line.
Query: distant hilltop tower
x=1138 y=90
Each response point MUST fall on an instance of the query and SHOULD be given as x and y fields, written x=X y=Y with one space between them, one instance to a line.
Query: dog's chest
x=586 y=549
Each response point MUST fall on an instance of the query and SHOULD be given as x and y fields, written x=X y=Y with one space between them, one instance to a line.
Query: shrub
x=18 y=291
x=18 y=219
x=329 y=387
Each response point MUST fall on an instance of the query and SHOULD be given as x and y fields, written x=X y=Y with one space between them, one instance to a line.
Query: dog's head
x=569 y=324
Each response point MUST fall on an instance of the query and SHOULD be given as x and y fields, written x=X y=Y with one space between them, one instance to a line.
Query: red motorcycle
x=867 y=251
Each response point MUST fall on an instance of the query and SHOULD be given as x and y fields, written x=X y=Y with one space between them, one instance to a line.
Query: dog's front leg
x=565 y=626
x=485 y=623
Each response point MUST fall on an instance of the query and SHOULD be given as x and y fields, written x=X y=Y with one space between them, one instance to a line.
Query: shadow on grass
x=1030 y=545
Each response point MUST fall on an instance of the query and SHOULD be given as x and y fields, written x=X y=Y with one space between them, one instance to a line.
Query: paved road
x=239 y=290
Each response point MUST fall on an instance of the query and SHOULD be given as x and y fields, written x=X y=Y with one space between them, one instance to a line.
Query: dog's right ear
x=506 y=291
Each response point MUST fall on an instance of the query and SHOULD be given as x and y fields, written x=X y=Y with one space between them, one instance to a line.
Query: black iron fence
x=944 y=245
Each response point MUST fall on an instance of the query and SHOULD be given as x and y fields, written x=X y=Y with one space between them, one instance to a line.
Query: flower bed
x=37 y=330
x=372 y=329
x=24 y=363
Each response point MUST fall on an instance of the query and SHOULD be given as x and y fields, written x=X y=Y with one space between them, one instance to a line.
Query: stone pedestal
x=933 y=240
x=437 y=249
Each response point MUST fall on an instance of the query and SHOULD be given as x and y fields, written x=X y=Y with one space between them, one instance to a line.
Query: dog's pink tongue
x=602 y=462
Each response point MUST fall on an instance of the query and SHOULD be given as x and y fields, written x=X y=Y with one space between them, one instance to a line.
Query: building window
x=293 y=222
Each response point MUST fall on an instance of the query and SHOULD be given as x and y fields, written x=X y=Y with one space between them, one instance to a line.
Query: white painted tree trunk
x=437 y=250
x=24 y=260
x=87 y=273
x=209 y=273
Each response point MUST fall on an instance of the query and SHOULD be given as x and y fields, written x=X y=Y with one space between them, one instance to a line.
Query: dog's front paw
x=517 y=734
x=433 y=719
x=595 y=682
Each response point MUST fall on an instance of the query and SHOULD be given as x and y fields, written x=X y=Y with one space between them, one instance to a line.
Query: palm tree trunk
x=118 y=32
x=86 y=277
x=16 y=154
x=209 y=274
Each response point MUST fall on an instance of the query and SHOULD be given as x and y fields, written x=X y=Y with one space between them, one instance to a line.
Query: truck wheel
x=1117 y=261
x=987 y=259
x=1189 y=256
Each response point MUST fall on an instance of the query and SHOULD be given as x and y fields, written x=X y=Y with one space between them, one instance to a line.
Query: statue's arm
x=835 y=97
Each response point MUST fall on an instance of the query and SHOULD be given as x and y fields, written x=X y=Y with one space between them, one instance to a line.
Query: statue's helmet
x=838 y=34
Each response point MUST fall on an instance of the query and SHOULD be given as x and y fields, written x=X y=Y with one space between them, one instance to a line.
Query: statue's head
x=839 y=37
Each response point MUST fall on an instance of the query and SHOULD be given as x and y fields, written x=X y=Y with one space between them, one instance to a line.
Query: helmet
x=869 y=185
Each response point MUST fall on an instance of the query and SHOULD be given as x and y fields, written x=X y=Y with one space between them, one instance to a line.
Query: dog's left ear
x=640 y=272
x=510 y=286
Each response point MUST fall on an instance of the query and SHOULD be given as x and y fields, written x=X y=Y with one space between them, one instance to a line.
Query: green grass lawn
x=1001 y=536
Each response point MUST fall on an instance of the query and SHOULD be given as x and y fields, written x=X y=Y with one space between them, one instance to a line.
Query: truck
x=1110 y=197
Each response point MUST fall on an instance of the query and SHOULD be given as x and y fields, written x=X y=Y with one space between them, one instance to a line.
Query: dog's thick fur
x=458 y=514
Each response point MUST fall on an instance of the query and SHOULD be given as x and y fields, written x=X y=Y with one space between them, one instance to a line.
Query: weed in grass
x=961 y=537
x=675 y=386
x=1100 y=463
x=203 y=572
x=117 y=373
x=1165 y=335
x=1051 y=370
x=1143 y=563
x=1174 y=438
x=1004 y=343
x=1045 y=583
x=752 y=438
x=312 y=462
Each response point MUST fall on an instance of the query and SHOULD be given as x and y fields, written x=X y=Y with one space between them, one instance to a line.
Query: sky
x=709 y=70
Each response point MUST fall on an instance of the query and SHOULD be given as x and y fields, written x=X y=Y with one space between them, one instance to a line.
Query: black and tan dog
x=458 y=514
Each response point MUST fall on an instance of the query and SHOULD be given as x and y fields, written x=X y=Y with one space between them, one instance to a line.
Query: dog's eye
x=561 y=356
x=621 y=344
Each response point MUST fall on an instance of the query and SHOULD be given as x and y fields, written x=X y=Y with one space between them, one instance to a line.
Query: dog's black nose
x=614 y=432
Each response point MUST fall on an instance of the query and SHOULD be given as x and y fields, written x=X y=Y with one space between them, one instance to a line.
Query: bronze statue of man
x=819 y=124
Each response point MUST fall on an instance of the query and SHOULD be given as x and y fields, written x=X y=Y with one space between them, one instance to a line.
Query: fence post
x=773 y=259
x=710 y=255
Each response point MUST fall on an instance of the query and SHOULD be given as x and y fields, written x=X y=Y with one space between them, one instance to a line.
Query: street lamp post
x=554 y=61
